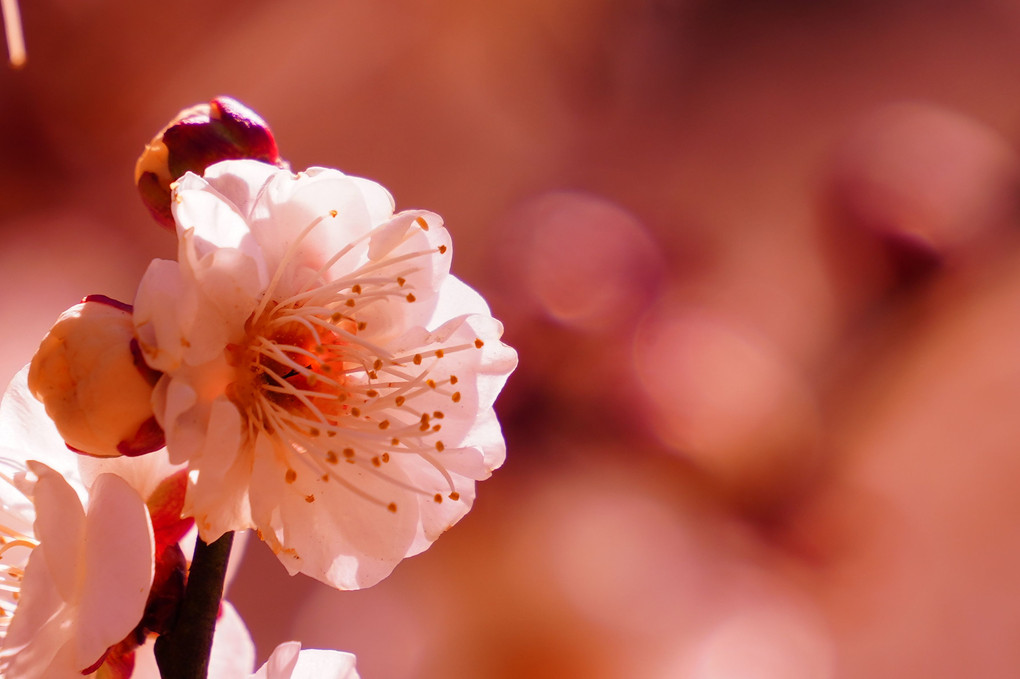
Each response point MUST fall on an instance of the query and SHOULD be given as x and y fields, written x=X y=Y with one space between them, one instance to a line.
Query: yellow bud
x=93 y=382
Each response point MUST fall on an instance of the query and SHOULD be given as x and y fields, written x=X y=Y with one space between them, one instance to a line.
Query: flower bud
x=92 y=380
x=223 y=129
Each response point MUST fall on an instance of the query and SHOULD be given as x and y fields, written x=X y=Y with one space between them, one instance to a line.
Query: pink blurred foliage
x=759 y=260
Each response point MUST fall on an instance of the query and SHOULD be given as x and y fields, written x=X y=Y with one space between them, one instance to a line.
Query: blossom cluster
x=307 y=369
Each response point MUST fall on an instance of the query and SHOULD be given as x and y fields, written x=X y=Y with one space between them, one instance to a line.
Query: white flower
x=75 y=583
x=109 y=569
x=327 y=380
x=288 y=661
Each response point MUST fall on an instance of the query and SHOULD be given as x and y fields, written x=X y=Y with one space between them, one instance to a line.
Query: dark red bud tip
x=108 y=301
x=148 y=439
x=223 y=129
x=96 y=665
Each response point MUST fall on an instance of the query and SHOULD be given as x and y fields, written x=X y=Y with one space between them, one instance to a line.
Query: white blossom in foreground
x=75 y=583
x=326 y=379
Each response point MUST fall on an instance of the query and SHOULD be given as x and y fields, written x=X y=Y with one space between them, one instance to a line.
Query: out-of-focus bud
x=200 y=136
x=90 y=375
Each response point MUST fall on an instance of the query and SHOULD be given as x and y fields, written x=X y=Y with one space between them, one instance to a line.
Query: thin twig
x=15 y=35
x=183 y=653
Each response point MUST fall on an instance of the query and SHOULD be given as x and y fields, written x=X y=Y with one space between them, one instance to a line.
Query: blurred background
x=760 y=263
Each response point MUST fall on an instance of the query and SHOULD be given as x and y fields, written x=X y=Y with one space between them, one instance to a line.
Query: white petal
x=35 y=635
x=288 y=661
x=221 y=470
x=233 y=651
x=340 y=537
x=238 y=181
x=214 y=221
x=26 y=432
x=281 y=662
x=60 y=525
x=291 y=203
x=143 y=473
x=457 y=298
x=118 y=567
x=322 y=664
x=161 y=313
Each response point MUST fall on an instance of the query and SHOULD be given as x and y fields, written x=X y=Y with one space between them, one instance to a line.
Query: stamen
x=310 y=380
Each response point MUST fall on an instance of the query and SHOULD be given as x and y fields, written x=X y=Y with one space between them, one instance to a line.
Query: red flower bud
x=200 y=136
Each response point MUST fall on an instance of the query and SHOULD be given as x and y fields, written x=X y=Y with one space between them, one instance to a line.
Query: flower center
x=309 y=380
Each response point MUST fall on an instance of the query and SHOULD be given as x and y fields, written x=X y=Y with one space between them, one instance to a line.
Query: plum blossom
x=326 y=379
x=75 y=583
x=128 y=543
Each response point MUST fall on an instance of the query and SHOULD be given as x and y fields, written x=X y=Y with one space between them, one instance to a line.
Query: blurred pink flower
x=327 y=380
x=75 y=583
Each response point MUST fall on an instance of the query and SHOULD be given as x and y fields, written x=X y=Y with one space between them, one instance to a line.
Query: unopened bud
x=95 y=385
x=200 y=136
